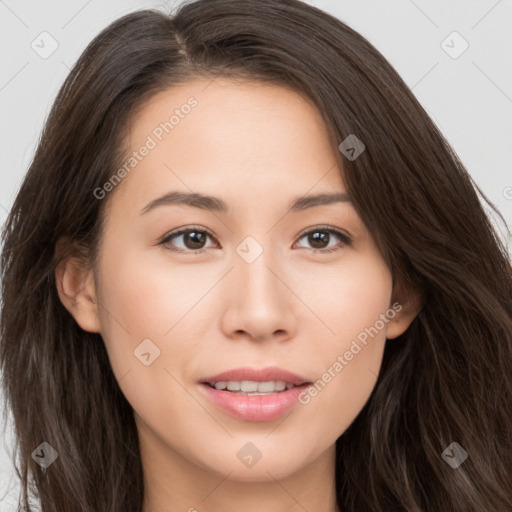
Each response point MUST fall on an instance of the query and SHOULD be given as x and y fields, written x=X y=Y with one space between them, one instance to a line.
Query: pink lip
x=254 y=408
x=258 y=375
x=259 y=407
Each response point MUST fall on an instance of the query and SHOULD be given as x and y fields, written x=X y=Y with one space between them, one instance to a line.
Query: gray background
x=469 y=96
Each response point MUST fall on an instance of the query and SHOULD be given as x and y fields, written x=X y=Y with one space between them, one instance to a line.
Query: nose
x=260 y=303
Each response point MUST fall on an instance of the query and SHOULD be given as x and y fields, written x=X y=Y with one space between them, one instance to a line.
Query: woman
x=168 y=341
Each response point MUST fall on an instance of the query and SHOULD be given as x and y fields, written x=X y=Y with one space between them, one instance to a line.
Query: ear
x=407 y=303
x=75 y=285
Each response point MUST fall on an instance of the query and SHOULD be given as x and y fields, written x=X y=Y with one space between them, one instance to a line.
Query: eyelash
x=345 y=239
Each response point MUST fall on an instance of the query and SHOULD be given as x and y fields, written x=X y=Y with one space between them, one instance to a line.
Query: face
x=260 y=280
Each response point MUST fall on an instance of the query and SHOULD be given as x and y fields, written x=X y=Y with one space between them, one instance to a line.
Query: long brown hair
x=446 y=379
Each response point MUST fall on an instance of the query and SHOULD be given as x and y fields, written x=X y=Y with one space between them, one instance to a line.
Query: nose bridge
x=258 y=299
x=254 y=259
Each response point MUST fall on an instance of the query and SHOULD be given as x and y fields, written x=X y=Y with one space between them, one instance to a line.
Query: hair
x=446 y=379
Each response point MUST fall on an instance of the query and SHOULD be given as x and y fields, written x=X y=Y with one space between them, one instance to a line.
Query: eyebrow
x=216 y=204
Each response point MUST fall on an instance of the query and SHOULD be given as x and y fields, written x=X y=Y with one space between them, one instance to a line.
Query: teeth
x=250 y=386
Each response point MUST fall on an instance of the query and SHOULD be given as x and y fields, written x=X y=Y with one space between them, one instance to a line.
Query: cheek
x=351 y=304
x=147 y=310
x=348 y=297
x=142 y=301
x=148 y=296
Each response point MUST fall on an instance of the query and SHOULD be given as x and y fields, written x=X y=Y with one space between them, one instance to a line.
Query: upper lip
x=268 y=374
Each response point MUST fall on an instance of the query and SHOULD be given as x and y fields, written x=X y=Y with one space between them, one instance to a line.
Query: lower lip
x=257 y=407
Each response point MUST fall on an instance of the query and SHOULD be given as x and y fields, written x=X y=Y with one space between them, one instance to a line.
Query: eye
x=320 y=237
x=193 y=237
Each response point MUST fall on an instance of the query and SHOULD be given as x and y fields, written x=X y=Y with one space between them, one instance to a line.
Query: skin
x=257 y=147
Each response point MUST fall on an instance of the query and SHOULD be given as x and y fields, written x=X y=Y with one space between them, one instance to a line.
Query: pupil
x=319 y=236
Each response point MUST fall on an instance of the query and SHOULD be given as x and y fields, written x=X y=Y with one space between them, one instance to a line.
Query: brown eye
x=193 y=240
x=319 y=239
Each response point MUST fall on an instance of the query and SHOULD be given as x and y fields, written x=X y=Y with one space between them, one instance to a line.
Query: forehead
x=229 y=138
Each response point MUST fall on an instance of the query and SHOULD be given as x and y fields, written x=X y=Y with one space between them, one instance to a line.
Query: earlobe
x=76 y=289
x=407 y=305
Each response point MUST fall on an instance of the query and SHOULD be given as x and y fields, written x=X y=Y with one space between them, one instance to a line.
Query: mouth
x=254 y=394
x=248 y=380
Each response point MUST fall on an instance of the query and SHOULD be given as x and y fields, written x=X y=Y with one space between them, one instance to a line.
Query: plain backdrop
x=455 y=55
